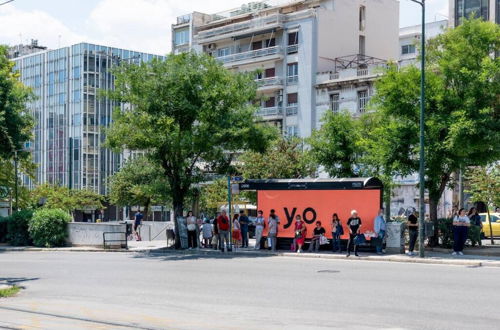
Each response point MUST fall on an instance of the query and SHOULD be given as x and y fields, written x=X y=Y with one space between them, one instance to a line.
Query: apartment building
x=287 y=43
x=69 y=114
x=489 y=10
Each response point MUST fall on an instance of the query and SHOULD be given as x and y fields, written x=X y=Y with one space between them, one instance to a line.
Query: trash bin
x=395 y=241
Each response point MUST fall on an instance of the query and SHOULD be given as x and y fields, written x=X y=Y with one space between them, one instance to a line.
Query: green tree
x=462 y=124
x=484 y=186
x=139 y=182
x=15 y=121
x=335 y=145
x=284 y=159
x=189 y=113
x=60 y=197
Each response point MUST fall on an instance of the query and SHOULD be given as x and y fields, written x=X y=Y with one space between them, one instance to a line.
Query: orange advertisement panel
x=319 y=205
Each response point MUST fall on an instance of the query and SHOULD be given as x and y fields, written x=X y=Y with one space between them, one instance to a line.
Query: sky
x=141 y=25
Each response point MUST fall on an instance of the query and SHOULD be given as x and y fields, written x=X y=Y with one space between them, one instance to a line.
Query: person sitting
x=317 y=233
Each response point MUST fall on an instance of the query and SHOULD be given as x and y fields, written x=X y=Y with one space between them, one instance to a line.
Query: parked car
x=495 y=224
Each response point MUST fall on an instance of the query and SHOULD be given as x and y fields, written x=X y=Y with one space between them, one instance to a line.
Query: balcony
x=292 y=109
x=232 y=30
x=270 y=111
x=292 y=49
x=290 y=80
x=263 y=54
x=269 y=83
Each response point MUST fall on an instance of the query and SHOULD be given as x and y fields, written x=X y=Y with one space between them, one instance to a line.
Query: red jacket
x=223 y=222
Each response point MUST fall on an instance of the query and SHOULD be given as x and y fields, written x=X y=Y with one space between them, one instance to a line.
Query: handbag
x=359 y=239
x=323 y=240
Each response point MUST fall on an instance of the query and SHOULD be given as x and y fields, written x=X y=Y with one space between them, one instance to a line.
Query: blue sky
x=135 y=24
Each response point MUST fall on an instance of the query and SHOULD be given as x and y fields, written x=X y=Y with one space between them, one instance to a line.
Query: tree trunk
x=387 y=200
x=433 y=204
x=146 y=208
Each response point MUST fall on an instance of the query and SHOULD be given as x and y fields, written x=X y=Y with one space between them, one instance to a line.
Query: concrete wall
x=91 y=234
x=154 y=231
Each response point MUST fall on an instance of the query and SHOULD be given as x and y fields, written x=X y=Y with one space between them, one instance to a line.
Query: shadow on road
x=173 y=255
x=18 y=281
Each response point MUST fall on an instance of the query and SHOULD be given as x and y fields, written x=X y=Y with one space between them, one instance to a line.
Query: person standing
x=191 y=229
x=223 y=225
x=337 y=232
x=380 y=229
x=207 y=233
x=300 y=232
x=412 y=231
x=354 y=225
x=317 y=233
x=236 y=233
x=244 y=221
x=215 y=239
x=461 y=224
x=273 y=230
x=259 y=228
x=475 y=220
x=137 y=223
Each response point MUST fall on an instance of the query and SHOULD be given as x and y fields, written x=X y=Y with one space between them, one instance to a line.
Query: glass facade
x=70 y=116
x=466 y=8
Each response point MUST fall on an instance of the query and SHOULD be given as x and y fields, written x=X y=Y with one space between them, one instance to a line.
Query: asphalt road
x=77 y=290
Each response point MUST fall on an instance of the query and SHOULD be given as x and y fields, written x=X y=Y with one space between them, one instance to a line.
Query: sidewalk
x=437 y=256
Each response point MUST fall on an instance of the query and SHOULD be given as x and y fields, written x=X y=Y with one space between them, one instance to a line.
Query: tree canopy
x=15 y=121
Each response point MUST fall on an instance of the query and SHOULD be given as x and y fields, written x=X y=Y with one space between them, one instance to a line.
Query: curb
x=390 y=258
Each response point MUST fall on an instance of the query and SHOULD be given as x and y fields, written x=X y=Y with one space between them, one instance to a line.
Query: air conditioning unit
x=212 y=46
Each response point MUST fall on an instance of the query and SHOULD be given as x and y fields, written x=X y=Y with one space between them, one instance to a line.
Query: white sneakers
x=457 y=253
x=461 y=253
x=411 y=254
x=454 y=253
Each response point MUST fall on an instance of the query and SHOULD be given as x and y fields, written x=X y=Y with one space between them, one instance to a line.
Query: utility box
x=395 y=237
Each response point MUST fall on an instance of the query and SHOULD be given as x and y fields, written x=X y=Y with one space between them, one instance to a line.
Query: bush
x=48 y=227
x=446 y=232
x=474 y=234
x=17 y=228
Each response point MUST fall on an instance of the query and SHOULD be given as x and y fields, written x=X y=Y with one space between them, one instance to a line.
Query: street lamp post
x=16 y=179
x=421 y=224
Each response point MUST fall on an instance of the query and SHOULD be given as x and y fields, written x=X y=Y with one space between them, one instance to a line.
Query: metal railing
x=250 y=54
x=269 y=81
x=124 y=240
x=334 y=75
x=292 y=49
x=292 y=110
x=270 y=111
x=292 y=79
x=362 y=72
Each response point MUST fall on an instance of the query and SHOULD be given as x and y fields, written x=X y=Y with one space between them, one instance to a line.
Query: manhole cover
x=328 y=271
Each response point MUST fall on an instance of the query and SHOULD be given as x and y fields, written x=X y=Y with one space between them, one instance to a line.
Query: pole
x=421 y=224
x=15 y=184
x=70 y=164
x=230 y=213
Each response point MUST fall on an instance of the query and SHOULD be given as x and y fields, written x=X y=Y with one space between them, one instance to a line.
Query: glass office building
x=70 y=116
x=489 y=10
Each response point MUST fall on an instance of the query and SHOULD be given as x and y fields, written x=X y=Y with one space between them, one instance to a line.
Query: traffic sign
x=237 y=178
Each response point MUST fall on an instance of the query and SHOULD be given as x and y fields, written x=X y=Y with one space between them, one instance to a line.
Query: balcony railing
x=292 y=79
x=362 y=72
x=292 y=49
x=269 y=81
x=292 y=110
x=243 y=26
x=251 y=54
x=270 y=111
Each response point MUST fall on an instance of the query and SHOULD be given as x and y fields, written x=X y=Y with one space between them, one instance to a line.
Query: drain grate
x=328 y=271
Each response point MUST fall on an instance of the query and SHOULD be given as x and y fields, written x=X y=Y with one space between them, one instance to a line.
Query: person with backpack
x=475 y=220
x=259 y=228
x=137 y=223
x=244 y=221
x=354 y=225
x=223 y=226
x=337 y=232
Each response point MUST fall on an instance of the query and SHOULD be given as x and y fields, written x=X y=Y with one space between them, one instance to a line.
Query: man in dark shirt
x=317 y=233
x=354 y=225
x=413 y=231
x=137 y=222
x=244 y=221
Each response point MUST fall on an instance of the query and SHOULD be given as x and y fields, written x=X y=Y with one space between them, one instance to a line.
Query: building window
x=498 y=12
x=362 y=18
x=257 y=45
x=466 y=8
x=335 y=102
x=293 y=42
x=407 y=49
x=271 y=72
x=363 y=99
x=270 y=102
x=292 y=99
x=292 y=72
x=271 y=42
x=362 y=45
x=292 y=131
x=181 y=37
x=223 y=52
